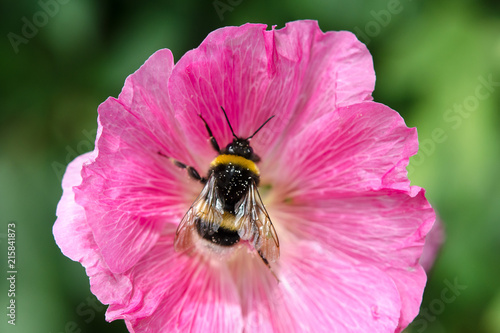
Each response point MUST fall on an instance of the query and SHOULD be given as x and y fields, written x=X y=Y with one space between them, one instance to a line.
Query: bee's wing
x=254 y=224
x=208 y=207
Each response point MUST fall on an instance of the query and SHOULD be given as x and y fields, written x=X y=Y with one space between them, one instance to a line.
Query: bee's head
x=240 y=147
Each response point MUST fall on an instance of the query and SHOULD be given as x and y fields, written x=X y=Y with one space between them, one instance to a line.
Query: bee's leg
x=255 y=158
x=268 y=266
x=190 y=170
x=214 y=143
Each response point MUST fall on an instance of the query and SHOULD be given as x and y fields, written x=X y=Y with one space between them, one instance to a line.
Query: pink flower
x=333 y=180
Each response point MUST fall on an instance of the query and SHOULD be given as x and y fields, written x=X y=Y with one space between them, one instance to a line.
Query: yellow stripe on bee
x=228 y=220
x=236 y=160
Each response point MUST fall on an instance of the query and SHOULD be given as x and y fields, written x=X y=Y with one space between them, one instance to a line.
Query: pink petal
x=130 y=192
x=433 y=241
x=177 y=293
x=361 y=147
x=384 y=228
x=337 y=189
x=75 y=238
x=410 y=283
x=230 y=69
x=71 y=222
x=339 y=64
x=254 y=73
x=319 y=291
x=339 y=71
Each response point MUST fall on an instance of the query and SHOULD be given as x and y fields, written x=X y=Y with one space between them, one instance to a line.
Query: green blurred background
x=432 y=59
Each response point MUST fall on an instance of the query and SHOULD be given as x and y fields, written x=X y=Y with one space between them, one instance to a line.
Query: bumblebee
x=229 y=209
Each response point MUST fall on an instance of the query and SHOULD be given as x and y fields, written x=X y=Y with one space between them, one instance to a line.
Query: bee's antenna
x=225 y=114
x=251 y=136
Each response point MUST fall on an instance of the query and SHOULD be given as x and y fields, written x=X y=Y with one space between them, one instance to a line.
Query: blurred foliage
x=430 y=58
